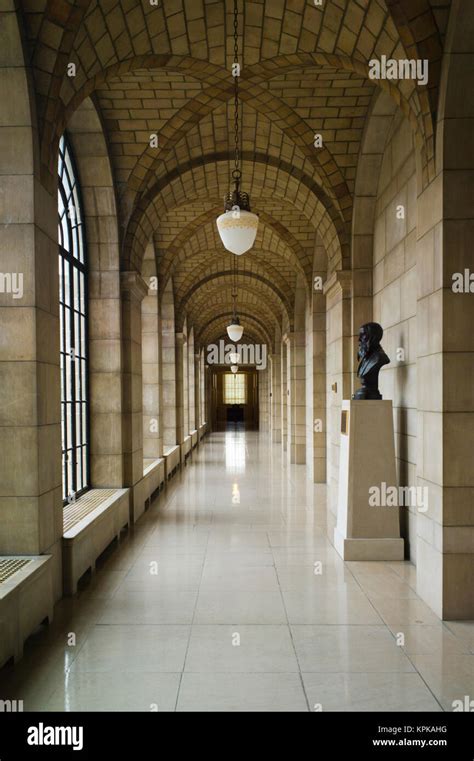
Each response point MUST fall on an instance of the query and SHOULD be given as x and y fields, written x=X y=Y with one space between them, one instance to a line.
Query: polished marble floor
x=228 y=596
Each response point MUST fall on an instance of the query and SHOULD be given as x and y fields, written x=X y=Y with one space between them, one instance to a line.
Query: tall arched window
x=73 y=323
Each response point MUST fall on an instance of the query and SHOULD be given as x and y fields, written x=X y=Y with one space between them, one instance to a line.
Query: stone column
x=208 y=381
x=445 y=434
x=185 y=385
x=181 y=417
x=168 y=370
x=296 y=369
x=133 y=291
x=204 y=385
x=30 y=410
x=151 y=330
x=458 y=321
x=338 y=290
x=191 y=384
x=264 y=400
x=445 y=338
x=275 y=360
x=284 y=396
x=30 y=427
x=197 y=391
x=319 y=418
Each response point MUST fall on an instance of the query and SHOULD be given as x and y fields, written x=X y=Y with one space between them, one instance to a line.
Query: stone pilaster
x=284 y=396
x=168 y=369
x=133 y=291
x=181 y=388
x=296 y=369
x=338 y=290
x=151 y=334
x=191 y=384
x=264 y=400
x=197 y=391
x=30 y=416
x=275 y=398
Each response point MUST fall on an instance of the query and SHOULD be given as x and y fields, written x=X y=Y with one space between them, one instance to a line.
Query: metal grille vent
x=9 y=566
x=76 y=511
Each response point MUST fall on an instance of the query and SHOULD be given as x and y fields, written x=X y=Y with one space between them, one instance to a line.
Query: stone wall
x=30 y=416
x=394 y=300
x=151 y=337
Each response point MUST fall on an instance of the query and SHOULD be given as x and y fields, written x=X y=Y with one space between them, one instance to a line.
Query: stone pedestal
x=367 y=531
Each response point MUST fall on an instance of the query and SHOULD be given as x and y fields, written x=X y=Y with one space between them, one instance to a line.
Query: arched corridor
x=210 y=476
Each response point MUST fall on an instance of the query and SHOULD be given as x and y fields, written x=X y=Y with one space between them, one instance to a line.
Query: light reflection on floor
x=240 y=543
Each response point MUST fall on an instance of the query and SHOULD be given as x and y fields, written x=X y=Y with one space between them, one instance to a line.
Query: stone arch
x=422 y=43
x=105 y=353
x=301 y=194
x=209 y=329
x=418 y=115
x=377 y=129
x=175 y=252
x=220 y=91
x=263 y=287
x=293 y=126
x=219 y=268
x=383 y=275
x=251 y=300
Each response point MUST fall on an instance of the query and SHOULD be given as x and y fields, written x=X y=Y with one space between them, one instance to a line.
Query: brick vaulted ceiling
x=165 y=68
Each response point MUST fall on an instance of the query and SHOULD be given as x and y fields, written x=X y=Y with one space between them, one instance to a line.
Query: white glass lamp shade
x=235 y=331
x=234 y=358
x=238 y=230
x=235 y=369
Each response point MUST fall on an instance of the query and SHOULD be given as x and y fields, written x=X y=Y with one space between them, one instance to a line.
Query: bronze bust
x=372 y=358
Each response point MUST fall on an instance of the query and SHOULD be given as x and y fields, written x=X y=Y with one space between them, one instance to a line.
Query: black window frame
x=74 y=327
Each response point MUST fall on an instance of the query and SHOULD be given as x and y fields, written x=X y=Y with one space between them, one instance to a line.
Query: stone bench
x=185 y=448
x=172 y=461
x=90 y=525
x=194 y=439
x=26 y=600
x=145 y=488
x=154 y=475
x=202 y=430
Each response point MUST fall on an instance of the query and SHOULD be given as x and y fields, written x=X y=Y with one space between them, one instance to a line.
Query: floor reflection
x=240 y=541
x=235 y=452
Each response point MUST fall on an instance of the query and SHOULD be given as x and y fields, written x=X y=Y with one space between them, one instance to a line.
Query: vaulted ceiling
x=164 y=69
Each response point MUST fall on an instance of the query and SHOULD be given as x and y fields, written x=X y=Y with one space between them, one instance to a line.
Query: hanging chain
x=236 y=174
x=234 y=294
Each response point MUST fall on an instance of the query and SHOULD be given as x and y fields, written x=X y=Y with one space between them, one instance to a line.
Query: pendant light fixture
x=235 y=369
x=238 y=225
x=235 y=329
